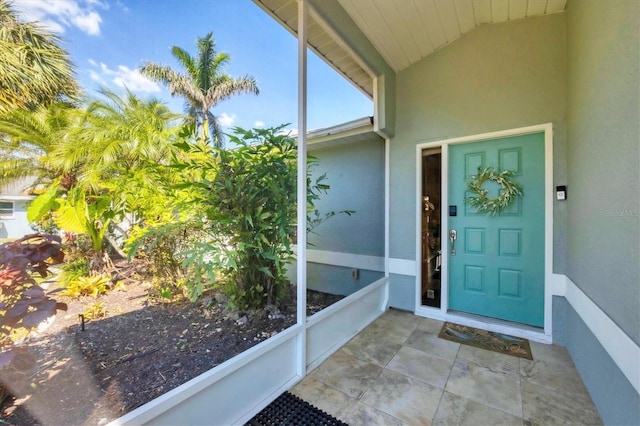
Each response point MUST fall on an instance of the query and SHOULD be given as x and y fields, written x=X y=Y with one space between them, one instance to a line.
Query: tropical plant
x=117 y=135
x=71 y=270
x=163 y=242
x=34 y=69
x=23 y=303
x=248 y=200
x=95 y=311
x=116 y=142
x=87 y=286
x=80 y=212
x=30 y=137
x=162 y=228
x=203 y=84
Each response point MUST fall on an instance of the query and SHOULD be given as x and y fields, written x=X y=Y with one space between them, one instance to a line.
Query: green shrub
x=162 y=243
x=94 y=311
x=248 y=199
x=93 y=286
x=74 y=270
x=226 y=219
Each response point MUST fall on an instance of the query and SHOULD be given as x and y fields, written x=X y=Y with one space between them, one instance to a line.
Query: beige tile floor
x=398 y=372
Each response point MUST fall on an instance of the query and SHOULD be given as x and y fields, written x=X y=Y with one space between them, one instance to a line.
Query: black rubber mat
x=288 y=409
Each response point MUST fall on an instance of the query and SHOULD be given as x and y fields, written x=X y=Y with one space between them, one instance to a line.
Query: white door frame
x=490 y=324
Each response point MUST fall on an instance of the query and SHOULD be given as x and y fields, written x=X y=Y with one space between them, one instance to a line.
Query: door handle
x=453 y=236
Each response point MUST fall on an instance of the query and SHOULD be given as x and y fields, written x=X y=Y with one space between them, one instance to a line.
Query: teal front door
x=497 y=269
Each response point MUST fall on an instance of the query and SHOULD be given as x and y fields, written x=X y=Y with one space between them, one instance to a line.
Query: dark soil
x=140 y=350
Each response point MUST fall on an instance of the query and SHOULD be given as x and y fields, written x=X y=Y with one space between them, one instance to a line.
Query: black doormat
x=497 y=342
x=288 y=410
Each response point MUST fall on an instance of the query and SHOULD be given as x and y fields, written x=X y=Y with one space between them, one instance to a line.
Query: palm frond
x=34 y=69
x=120 y=134
x=16 y=168
x=227 y=87
x=186 y=60
x=216 y=68
x=206 y=55
x=31 y=138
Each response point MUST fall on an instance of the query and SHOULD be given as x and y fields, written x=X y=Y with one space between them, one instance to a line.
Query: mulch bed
x=139 y=351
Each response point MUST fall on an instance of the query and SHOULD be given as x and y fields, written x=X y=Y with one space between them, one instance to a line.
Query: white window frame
x=4 y=212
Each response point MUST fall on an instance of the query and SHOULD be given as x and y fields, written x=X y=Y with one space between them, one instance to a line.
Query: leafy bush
x=224 y=219
x=73 y=270
x=248 y=198
x=23 y=303
x=95 y=311
x=87 y=211
x=93 y=286
x=162 y=242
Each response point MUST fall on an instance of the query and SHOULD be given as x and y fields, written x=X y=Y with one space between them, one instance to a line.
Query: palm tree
x=112 y=147
x=29 y=137
x=117 y=135
x=203 y=84
x=34 y=69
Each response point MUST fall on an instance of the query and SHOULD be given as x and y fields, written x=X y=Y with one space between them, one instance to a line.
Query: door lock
x=453 y=236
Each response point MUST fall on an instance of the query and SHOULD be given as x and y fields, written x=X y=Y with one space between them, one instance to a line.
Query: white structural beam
x=302 y=184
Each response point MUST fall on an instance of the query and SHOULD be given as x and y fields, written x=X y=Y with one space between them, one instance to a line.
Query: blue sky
x=109 y=39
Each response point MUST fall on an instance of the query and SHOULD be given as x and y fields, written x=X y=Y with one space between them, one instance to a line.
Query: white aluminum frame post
x=302 y=184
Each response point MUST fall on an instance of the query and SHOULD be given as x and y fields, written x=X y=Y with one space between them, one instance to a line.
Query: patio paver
x=397 y=372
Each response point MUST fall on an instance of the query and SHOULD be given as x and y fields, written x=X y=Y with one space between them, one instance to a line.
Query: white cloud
x=123 y=77
x=58 y=15
x=97 y=78
x=259 y=124
x=89 y=23
x=226 y=120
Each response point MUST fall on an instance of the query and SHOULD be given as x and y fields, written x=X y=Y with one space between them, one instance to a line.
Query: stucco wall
x=18 y=226
x=355 y=173
x=615 y=398
x=603 y=128
x=497 y=77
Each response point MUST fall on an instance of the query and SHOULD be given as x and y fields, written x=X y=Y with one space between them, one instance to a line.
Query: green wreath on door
x=484 y=204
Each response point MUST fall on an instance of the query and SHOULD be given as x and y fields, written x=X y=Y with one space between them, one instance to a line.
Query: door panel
x=498 y=268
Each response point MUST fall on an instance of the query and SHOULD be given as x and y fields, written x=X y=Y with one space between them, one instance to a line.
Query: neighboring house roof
x=403 y=32
x=359 y=130
x=18 y=189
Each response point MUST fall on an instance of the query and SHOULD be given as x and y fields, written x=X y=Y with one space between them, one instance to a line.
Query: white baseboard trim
x=359 y=261
x=347 y=260
x=624 y=351
x=558 y=285
x=402 y=267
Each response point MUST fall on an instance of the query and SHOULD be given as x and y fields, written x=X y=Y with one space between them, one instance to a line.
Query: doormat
x=488 y=340
x=288 y=409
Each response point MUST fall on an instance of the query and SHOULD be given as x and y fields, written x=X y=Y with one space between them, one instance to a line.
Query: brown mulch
x=139 y=351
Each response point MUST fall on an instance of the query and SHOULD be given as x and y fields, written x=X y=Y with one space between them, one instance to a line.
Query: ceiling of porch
x=406 y=31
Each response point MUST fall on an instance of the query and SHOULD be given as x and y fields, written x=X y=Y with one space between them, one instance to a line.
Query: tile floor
x=398 y=372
